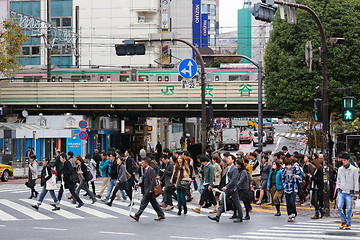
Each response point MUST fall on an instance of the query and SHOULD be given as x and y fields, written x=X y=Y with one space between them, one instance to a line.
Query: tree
x=11 y=39
x=289 y=85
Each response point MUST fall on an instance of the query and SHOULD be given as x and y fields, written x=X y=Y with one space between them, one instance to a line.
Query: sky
x=228 y=14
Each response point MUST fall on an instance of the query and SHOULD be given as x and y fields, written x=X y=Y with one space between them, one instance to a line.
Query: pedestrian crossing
x=288 y=135
x=310 y=230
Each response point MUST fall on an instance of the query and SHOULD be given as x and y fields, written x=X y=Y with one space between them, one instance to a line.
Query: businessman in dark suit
x=148 y=183
x=230 y=189
x=165 y=178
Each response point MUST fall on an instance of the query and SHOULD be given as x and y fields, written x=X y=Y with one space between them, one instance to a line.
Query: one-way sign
x=188 y=68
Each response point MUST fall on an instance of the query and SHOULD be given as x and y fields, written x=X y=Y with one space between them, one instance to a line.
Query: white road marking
x=194 y=238
x=103 y=206
x=279 y=234
x=277 y=144
x=146 y=210
x=61 y=212
x=88 y=210
x=51 y=229
x=119 y=233
x=25 y=210
x=267 y=237
x=287 y=134
x=6 y=217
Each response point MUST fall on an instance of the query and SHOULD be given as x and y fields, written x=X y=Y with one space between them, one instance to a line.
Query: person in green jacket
x=208 y=177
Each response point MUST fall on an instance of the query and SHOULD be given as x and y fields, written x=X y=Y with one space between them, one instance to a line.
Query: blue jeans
x=43 y=194
x=112 y=184
x=348 y=200
x=290 y=203
x=181 y=197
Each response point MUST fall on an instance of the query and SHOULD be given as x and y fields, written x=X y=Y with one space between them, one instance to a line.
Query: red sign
x=83 y=135
x=83 y=124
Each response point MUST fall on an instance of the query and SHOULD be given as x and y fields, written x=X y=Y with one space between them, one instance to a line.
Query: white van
x=256 y=139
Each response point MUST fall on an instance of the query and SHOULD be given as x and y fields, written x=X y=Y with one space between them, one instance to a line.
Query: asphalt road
x=19 y=221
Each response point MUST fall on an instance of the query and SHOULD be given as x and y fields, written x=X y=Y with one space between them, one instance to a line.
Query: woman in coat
x=181 y=172
x=33 y=165
x=243 y=187
x=317 y=187
x=46 y=175
x=121 y=179
x=275 y=186
x=83 y=178
x=265 y=170
x=91 y=164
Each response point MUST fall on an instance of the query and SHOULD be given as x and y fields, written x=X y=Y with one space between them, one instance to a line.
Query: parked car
x=245 y=137
x=5 y=172
x=287 y=121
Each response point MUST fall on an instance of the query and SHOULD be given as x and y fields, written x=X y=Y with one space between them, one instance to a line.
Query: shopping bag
x=357 y=205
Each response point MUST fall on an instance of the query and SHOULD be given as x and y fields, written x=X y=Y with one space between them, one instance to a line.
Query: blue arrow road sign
x=188 y=68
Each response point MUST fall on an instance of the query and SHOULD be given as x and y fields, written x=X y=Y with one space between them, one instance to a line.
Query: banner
x=196 y=24
x=204 y=30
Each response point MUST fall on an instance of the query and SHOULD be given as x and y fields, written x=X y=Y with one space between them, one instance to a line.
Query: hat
x=142 y=152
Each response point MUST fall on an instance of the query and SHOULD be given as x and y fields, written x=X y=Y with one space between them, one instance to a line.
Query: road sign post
x=83 y=124
x=83 y=135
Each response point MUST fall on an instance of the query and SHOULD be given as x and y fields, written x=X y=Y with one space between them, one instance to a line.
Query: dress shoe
x=238 y=220
x=168 y=208
x=342 y=225
x=53 y=204
x=36 y=194
x=31 y=197
x=278 y=214
x=71 y=197
x=109 y=204
x=185 y=209
x=215 y=211
x=216 y=218
x=80 y=205
x=233 y=217
x=56 y=209
x=246 y=217
x=179 y=211
x=134 y=217
x=35 y=206
x=347 y=227
x=197 y=210
x=98 y=196
x=130 y=204
x=94 y=201
x=159 y=218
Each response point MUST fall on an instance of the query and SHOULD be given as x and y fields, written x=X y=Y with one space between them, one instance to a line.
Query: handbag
x=357 y=205
x=51 y=183
x=184 y=185
x=73 y=176
x=128 y=175
x=88 y=175
x=157 y=189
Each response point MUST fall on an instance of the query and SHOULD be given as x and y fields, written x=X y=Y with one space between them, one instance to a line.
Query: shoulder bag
x=157 y=189
x=51 y=183
x=184 y=185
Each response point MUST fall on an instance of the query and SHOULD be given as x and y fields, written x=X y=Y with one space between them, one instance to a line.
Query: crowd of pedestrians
x=223 y=181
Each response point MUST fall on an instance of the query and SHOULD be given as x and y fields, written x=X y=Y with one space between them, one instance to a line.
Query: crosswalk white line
x=287 y=134
x=88 y=210
x=293 y=135
x=295 y=229
x=152 y=212
x=24 y=210
x=323 y=227
x=265 y=235
x=111 y=209
x=61 y=212
x=6 y=217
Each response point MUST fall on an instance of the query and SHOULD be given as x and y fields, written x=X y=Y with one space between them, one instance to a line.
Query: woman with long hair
x=317 y=187
x=82 y=170
x=121 y=179
x=181 y=173
x=33 y=165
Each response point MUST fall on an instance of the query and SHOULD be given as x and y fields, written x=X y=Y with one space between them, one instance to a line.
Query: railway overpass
x=161 y=99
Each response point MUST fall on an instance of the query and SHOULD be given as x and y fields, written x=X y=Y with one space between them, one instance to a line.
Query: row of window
x=126 y=78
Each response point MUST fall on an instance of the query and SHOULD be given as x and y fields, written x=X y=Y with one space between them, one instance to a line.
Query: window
x=26 y=51
x=108 y=78
x=159 y=78
x=102 y=78
x=167 y=78
x=141 y=19
x=177 y=128
x=35 y=50
x=75 y=78
x=60 y=79
x=124 y=78
x=143 y=78
x=217 y=78
x=66 y=22
x=239 y=78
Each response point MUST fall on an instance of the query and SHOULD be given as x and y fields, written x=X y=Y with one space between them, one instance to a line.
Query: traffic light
x=348 y=109
x=130 y=48
x=317 y=110
x=209 y=115
x=264 y=11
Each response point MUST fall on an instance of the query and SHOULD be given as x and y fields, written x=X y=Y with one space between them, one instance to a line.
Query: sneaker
x=290 y=219
x=168 y=208
x=304 y=204
x=342 y=225
x=197 y=210
x=163 y=205
x=347 y=227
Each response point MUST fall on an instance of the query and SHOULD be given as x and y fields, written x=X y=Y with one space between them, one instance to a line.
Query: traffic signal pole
x=202 y=77
x=325 y=100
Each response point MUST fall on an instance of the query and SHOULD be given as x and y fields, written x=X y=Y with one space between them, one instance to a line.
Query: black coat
x=58 y=165
x=317 y=180
x=43 y=175
x=67 y=171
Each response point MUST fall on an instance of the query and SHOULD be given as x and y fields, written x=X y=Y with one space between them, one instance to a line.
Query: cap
x=142 y=152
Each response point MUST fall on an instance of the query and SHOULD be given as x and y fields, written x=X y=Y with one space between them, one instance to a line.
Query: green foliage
x=11 y=39
x=289 y=86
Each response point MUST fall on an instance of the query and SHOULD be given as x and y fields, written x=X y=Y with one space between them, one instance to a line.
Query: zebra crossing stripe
x=25 y=210
x=6 y=217
x=267 y=237
x=152 y=212
x=112 y=209
x=62 y=212
x=88 y=210
x=291 y=235
x=287 y=134
x=298 y=225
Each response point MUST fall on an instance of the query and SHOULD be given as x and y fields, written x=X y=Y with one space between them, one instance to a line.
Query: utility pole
x=48 y=40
